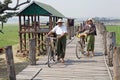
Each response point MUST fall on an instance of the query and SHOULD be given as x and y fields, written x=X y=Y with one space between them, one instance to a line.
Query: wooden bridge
x=86 y=68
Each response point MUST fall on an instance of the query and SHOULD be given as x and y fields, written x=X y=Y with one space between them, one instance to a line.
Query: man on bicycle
x=61 y=32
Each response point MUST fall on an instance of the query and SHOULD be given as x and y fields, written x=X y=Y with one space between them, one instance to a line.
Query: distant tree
x=4 y=6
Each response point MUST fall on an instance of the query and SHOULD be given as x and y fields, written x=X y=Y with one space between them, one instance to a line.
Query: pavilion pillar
x=50 y=20
x=54 y=21
x=20 y=34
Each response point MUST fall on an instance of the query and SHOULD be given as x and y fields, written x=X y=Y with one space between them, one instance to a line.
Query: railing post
x=105 y=42
x=10 y=63
x=116 y=63
x=111 y=43
x=32 y=51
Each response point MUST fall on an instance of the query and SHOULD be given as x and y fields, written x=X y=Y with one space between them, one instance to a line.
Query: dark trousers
x=61 y=47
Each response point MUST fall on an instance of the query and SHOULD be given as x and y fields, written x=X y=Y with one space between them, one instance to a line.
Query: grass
x=10 y=36
x=116 y=29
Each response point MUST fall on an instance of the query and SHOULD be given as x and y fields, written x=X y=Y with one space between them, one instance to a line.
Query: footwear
x=62 y=60
x=92 y=54
x=58 y=59
x=87 y=54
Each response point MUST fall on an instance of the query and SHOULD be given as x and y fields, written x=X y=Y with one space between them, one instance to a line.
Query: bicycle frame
x=80 y=45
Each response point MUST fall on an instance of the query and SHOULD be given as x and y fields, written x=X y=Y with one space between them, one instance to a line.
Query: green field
x=10 y=36
x=115 y=29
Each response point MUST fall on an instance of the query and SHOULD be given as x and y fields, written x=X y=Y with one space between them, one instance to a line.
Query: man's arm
x=49 y=33
x=52 y=31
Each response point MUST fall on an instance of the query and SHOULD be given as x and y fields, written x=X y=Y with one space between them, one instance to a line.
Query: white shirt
x=59 y=30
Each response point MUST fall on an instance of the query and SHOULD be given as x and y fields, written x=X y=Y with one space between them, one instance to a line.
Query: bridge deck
x=86 y=68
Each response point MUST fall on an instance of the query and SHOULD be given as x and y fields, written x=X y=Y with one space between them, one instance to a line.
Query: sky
x=84 y=8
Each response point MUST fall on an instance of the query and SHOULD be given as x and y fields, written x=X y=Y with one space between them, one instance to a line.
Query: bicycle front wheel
x=51 y=57
x=78 y=50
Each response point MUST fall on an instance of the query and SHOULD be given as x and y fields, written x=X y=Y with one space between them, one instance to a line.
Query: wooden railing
x=111 y=51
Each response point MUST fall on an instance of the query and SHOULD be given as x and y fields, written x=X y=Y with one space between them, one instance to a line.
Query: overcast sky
x=85 y=8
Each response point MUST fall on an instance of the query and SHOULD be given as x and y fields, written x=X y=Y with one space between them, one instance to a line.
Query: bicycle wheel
x=79 y=50
x=51 y=57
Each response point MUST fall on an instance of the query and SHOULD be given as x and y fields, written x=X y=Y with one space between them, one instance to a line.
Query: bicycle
x=80 y=45
x=51 y=50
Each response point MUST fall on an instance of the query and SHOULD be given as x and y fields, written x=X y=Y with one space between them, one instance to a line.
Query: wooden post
x=39 y=21
x=42 y=40
x=10 y=63
x=32 y=26
x=50 y=20
x=116 y=63
x=39 y=43
x=69 y=32
x=35 y=26
x=29 y=26
x=111 y=42
x=21 y=44
x=69 y=29
x=20 y=34
x=32 y=21
x=104 y=42
x=25 y=41
x=32 y=51
x=72 y=31
x=54 y=21
x=24 y=23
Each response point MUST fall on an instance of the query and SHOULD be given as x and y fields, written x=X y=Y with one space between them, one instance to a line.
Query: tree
x=4 y=6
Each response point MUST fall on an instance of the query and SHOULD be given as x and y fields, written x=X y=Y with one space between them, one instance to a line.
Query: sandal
x=62 y=60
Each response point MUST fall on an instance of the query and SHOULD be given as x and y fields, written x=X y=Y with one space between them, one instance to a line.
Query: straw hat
x=90 y=19
x=60 y=21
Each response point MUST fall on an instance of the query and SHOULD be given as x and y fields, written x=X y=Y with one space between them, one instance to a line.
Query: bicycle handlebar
x=50 y=37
